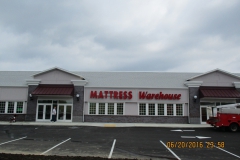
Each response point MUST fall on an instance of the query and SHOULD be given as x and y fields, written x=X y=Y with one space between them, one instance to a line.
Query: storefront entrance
x=64 y=109
x=206 y=112
x=44 y=112
x=64 y=112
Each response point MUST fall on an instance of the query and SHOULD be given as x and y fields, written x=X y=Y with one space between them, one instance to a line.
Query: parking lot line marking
x=226 y=151
x=171 y=151
x=12 y=140
x=201 y=137
x=188 y=136
x=55 y=146
x=179 y=130
x=110 y=155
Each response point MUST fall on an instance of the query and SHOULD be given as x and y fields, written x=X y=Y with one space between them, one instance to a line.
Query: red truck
x=226 y=116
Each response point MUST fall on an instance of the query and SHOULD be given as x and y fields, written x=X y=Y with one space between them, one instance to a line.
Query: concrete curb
x=164 y=125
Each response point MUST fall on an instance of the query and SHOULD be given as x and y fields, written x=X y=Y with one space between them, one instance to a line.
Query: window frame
x=89 y=112
x=153 y=109
x=106 y=108
x=140 y=111
x=181 y=109
x=171 y=111
x=110 y=108
x=158 y=109
x=13 y=109
x=3 y=106
x=117 y=108
x=101 y=108
x=164 y=109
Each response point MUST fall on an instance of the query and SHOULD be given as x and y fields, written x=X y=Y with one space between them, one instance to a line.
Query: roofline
x=58 y=69
x=135 y=87
x=135 y=72
x=23 y=86
x=212 y=72
x=128 y=87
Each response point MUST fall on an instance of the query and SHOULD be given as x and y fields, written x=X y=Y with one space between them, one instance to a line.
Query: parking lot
x=120 y=142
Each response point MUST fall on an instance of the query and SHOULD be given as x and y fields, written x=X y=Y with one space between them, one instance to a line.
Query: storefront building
x=112 y=97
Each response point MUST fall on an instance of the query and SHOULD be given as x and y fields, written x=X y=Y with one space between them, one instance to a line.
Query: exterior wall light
x=30 y=96
x=195 y=98
x=77 y=95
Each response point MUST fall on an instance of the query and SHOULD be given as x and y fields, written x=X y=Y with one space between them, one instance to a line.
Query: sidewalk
x=164 y=125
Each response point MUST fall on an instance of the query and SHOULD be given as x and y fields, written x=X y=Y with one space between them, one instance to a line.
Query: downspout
x=83 y=102
x=83 y=111
x=188 y=106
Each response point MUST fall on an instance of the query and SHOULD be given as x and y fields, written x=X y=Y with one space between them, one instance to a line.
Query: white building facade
x=124 y=97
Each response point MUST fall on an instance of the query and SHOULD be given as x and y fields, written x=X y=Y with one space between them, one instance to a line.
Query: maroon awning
x=219 y=92
x=54 y=90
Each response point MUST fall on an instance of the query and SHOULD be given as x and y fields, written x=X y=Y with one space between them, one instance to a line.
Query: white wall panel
x=56 y=77
x=131 y=109
x=217 y=79
x=13 y=94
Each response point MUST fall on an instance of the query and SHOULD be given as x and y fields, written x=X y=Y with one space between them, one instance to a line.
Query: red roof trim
x=219 y=92
x=54 y=90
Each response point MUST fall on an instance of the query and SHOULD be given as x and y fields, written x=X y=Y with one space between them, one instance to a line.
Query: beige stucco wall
x=13 y=93
x=135 y=95
x=185 y=109
x=56 y=77
x=131 y=105
x=131 y=108
x=217 y=79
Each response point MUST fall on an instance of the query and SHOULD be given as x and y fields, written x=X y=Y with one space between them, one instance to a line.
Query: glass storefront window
x=110 y=108
x=225 y=103
x=179 y=109
x=169 y=109
x=65 y=101
x=161 y=109
x=120 y=108
x=10 y=107
x=142 y=109
x=207 y=103
x=2 y=107
x=44 y=101
x=151 y=109
x=19 y=107
x=101 y=108
x=92 y=109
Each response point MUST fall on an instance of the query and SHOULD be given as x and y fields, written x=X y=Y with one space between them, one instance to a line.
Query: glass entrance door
x=44 y=112
x=206 y=112
x=64 y=112
x=203 y=114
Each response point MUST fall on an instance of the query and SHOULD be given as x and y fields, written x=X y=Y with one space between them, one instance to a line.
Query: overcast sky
x=120 y=35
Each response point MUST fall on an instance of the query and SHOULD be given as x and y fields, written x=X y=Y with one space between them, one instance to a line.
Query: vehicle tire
x=233 y=127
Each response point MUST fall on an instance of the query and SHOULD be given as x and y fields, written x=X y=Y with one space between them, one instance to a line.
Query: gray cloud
x=120 y=35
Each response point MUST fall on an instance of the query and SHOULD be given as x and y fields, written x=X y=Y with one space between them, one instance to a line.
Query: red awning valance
x=54 y=90
x=219 y=92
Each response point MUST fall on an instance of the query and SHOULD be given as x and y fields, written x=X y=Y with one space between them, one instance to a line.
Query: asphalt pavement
x=145 y=141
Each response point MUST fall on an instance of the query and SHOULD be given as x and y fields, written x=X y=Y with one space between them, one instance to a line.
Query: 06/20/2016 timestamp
x=195 y=144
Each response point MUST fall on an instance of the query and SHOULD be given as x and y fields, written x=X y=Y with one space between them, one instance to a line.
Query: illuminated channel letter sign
x=160 y=95
x=128 y=95
x=111 y=94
